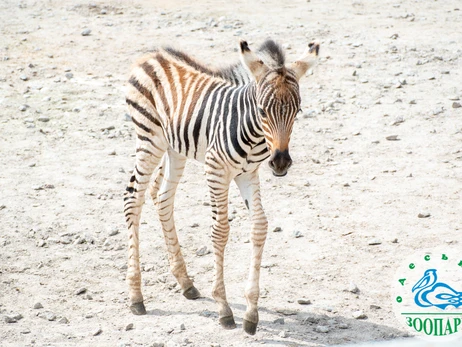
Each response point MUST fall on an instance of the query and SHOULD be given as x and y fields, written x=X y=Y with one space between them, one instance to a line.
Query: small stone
x=202 y=251
x=277 y=230
x=50 y=316
x=76 y=109
x=97 y=332
x=398 y=120
x=321 y=329
x=80 y=291
x=456 y=104
x=303 y=301
x=283 y=334
x=438 y=111
x=424 y=215
x=182 y=327
x=37 y=305
x=297 y=234
x=127 y=117
x=25 y=331
x=359 y=315
x=454 y=98
x=22 y=108
x=374 y=307
x=113 y=152
x=353 y=288
x=63 y=320
x=43 y=119
x=114 y=231
x=24 y=77
x=343 y=326
x=157 y=344
x=286 y=311
x=392 y=138
x=374 y=242
x=129 y=326
x=279 y=321
x=69 y=75
x=85 y=32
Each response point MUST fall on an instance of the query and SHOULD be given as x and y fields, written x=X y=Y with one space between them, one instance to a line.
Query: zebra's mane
x=235 y=73
x=272 y=54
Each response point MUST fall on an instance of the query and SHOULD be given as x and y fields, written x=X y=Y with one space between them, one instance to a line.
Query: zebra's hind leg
x=170 y=175
x=249 y=186
x=149 y=152
x=219 y=187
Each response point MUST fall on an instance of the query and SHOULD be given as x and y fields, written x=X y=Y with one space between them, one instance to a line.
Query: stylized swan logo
x=430 y=293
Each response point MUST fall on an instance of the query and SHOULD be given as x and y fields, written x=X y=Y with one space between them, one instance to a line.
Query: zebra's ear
x=307 y=60
x=255 y=65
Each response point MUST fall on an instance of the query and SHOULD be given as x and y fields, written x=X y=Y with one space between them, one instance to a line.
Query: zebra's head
x=277 y=95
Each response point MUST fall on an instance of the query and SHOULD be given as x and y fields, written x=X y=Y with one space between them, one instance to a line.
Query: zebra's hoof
x=138 y=308
x=227 y=322
x=191 y=293
x=249 y=327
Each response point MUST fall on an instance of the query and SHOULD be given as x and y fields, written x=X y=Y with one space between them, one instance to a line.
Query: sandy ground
x=387 y=68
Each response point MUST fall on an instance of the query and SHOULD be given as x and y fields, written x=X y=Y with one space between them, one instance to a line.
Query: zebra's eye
x=262 y=113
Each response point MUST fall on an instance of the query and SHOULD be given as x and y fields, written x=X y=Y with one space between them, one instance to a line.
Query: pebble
x=374 y=242
x=37 y=305
x=392 y=138
x=359 y=315
x=321 y=329
x=13 y=318
x=127 y=117
x=157 y=344
x=297 y=234
x=424 y=215
x=374 y=307
x=22 y=108
x=114 y=231
x=44 y=119
x=69 y=75
x=343 y=326
x=279 y=321
x=50 y=316
x=129 y=326
x=63 y=320
x=202 y=251
x=454 y=98
x=24 y=77
x=283 y=334
x=113 y=152
x=86 y=32
x=286 y=311
x=456 y=104
x=353 y=288
x=97 y=332
x=438 y=111
x=182 y=327
x=303 y=301
x=277 y=230
x=398 y=120
x=80 y=291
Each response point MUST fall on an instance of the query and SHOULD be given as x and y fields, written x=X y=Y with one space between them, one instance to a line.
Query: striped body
x=231 y=120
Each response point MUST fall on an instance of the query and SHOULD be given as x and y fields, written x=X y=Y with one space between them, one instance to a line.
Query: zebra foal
x=230 y=119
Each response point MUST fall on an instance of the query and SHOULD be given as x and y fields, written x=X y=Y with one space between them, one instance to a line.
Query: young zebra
x=227 y=119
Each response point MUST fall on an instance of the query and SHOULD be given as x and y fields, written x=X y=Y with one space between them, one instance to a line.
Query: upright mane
x=235 y=73
x=272 y=54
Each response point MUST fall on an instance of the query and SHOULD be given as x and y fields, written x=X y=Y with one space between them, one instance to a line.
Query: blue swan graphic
x=429 y=292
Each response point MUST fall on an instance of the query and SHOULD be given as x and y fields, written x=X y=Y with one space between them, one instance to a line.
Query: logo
x=427 y=295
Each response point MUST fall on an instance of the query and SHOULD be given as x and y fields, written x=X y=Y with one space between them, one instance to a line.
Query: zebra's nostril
x=271 y=164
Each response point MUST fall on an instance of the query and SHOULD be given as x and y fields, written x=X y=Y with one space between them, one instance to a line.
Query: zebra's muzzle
x=280 y=162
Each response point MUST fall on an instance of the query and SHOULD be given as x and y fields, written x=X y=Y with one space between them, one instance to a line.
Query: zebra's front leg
x=165 y=186
x=249 y=186
x=218 y=186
